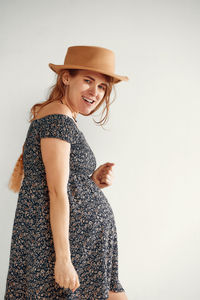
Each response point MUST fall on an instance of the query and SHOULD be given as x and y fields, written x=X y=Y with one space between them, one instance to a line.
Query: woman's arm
x=55 y=155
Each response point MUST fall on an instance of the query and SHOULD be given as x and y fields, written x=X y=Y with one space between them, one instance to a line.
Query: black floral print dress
x=92 y=229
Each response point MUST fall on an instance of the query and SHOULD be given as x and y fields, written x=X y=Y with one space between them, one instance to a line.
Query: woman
x=64 y=240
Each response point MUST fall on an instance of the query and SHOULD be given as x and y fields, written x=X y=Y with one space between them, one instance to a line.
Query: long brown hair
x=57 y=92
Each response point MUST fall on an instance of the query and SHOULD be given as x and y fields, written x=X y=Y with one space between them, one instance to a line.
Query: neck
x=70 y=111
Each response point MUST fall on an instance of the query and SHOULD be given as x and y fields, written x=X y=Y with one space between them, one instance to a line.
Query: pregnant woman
x=64 y=238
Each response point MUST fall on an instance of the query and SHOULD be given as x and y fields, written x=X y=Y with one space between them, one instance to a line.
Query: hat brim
x=116 y=78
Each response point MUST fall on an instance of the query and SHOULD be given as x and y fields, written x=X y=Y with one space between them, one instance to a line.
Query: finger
x=76 y=285
x=77 y=280
x=109 y=182
x=106 y=181
x=109 y=174
x=107 y=171
x=106 y=166
x=72 y=284
x=66 y=283
x=60 y=281
x=107 y=177
x=109 y=164
x=103 y=185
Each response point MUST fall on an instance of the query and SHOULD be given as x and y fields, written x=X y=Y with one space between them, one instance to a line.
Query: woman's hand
x=103 y=175
x=66 y=275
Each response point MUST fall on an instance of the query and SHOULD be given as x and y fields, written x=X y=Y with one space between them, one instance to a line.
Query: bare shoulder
x=52 y=108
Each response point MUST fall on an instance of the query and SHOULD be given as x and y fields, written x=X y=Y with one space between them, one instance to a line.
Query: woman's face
x=86 y=90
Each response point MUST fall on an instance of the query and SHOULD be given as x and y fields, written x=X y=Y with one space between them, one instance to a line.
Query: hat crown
x=91 y=57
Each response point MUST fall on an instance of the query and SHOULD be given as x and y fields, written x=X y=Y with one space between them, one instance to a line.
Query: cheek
x=75 y=92
x=102 y=94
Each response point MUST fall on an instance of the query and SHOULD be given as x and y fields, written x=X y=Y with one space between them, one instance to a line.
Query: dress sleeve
x=59 y=126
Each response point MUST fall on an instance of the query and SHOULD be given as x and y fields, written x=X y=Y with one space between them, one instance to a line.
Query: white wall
x=152 y=135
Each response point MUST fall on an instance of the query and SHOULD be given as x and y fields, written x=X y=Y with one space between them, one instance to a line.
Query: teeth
x=90 y=101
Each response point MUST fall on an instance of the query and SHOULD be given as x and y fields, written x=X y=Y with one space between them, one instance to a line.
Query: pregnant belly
x=89 y=208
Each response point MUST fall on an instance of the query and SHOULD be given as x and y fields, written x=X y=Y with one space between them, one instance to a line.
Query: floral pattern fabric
x=92 y=228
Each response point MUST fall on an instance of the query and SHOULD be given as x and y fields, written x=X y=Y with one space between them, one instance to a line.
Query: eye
x=102 y=87
x=87 y=80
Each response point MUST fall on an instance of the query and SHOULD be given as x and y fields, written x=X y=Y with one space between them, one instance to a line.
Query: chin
x=85 y=113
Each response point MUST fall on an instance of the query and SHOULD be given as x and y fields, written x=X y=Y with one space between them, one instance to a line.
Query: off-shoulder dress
x=92 y=227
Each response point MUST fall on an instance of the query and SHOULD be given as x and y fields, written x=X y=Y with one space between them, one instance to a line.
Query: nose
x=93 y=90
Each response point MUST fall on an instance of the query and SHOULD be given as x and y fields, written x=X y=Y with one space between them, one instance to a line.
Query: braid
x=17 y=174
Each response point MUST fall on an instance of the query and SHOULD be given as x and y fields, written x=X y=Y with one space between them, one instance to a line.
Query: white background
x=152 y=135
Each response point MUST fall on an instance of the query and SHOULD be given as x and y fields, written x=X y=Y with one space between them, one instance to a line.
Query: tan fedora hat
x=91 y=58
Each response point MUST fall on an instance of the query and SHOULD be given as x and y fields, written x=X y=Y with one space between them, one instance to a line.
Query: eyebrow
x=94 y=79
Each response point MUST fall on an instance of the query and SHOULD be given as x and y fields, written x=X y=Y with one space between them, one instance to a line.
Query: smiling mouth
x=88 y=100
